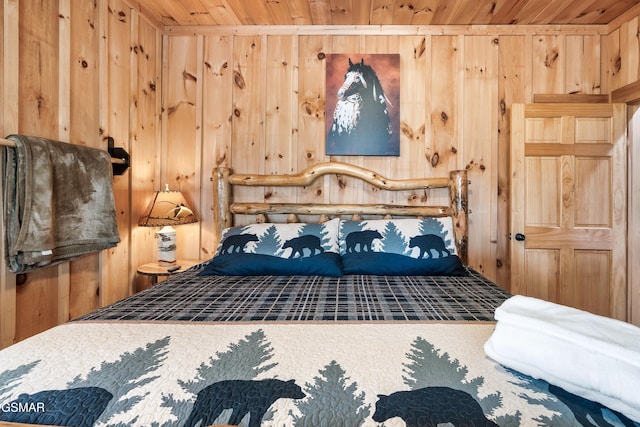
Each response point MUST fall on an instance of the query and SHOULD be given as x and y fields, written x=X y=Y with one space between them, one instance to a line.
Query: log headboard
x=224 y=207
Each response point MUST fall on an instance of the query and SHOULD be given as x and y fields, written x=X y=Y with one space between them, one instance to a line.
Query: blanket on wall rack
x=58 y=202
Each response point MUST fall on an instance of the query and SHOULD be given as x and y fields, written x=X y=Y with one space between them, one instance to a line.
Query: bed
x=319 y=323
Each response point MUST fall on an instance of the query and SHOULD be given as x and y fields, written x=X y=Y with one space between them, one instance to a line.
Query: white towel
x=591 y=356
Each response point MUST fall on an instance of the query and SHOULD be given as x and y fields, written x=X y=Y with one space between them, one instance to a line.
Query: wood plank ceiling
x=383 y=12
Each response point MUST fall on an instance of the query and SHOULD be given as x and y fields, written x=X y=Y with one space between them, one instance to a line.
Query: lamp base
x=166 y=245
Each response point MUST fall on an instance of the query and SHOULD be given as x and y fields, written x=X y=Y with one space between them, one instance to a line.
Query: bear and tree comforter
x=273 y=351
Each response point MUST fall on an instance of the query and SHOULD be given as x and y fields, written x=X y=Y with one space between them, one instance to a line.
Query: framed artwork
x=362 y=107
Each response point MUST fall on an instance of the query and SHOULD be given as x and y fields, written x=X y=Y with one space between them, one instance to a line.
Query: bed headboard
x=224 y=207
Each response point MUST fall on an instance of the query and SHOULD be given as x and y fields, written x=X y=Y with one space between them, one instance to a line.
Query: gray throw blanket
x=58 y=202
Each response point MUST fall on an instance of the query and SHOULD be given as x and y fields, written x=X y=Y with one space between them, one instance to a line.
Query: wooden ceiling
x=383 y=12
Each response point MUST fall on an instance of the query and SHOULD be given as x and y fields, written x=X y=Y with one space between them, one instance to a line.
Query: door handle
x=520 y=237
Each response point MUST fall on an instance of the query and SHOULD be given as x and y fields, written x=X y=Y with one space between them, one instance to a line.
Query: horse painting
x=361 y=122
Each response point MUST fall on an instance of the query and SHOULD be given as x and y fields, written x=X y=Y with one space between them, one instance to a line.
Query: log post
x=458 y=190
x=222 y=217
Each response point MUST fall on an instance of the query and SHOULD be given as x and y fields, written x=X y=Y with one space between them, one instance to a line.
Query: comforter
x=124 y=366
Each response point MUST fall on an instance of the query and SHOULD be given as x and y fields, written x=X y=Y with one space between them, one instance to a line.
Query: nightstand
x=154 y=270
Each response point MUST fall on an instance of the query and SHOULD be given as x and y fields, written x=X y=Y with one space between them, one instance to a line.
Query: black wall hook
x=119 y=167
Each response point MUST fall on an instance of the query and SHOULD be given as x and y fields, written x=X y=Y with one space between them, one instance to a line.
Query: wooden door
x=568 y=205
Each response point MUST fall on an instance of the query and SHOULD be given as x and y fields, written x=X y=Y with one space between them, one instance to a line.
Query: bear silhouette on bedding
x=78 y=407
x=430 y=406
x=237 y=242
x=243 y=396
x=363 y=238
x=427 y=242
x=299 y=244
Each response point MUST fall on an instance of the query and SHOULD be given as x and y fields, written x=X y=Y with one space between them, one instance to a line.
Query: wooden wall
x=253 y=99
x=79 y=71
x=620 y=67
x=255 y=102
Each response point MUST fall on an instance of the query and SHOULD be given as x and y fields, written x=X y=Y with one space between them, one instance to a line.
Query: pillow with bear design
x=400 y=247
x=278 y=249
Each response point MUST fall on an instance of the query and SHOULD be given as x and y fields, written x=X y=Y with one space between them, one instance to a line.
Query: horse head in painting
x=361 y=122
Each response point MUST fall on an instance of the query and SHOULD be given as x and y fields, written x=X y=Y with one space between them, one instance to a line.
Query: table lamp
x=167 y=209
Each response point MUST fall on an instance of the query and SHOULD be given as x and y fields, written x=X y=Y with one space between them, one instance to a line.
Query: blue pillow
x=278 y=249
x=400 y=247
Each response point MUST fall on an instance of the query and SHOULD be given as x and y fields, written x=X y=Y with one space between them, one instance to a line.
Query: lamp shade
x=168 y=207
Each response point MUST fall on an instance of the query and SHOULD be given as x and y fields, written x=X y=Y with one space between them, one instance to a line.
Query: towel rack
x=119 y=157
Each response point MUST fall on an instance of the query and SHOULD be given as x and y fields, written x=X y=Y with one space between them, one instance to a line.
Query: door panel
x=591 y=269
x=542 y=200
x=543 y=130
x=592 y=130
x=592 y=199
x=544 y=265
x=568 y=195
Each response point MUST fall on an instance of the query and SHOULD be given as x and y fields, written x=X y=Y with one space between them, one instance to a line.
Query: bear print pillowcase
x=400 y=247
x=278 y=249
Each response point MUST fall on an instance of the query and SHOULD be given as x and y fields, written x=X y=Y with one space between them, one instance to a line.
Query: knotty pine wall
x=255 y=102
x=621 y=60
x=253 y=99
x=79 y=71
x=183 y=102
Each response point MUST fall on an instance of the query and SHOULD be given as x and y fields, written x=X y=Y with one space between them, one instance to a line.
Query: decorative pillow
x=278 y=249
x=400 y=247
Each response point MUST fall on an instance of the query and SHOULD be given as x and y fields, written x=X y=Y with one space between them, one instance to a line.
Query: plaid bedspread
x=193 y=298
x=383 y=351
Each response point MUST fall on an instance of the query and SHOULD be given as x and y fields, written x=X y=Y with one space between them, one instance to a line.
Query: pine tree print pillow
x=400 y=247
x=278 y=249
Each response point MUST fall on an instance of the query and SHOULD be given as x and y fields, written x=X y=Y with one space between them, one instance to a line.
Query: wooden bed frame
x=224 y=207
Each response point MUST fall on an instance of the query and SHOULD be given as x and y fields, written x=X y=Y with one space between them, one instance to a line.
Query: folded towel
x=591 y=356
x=58 y=202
